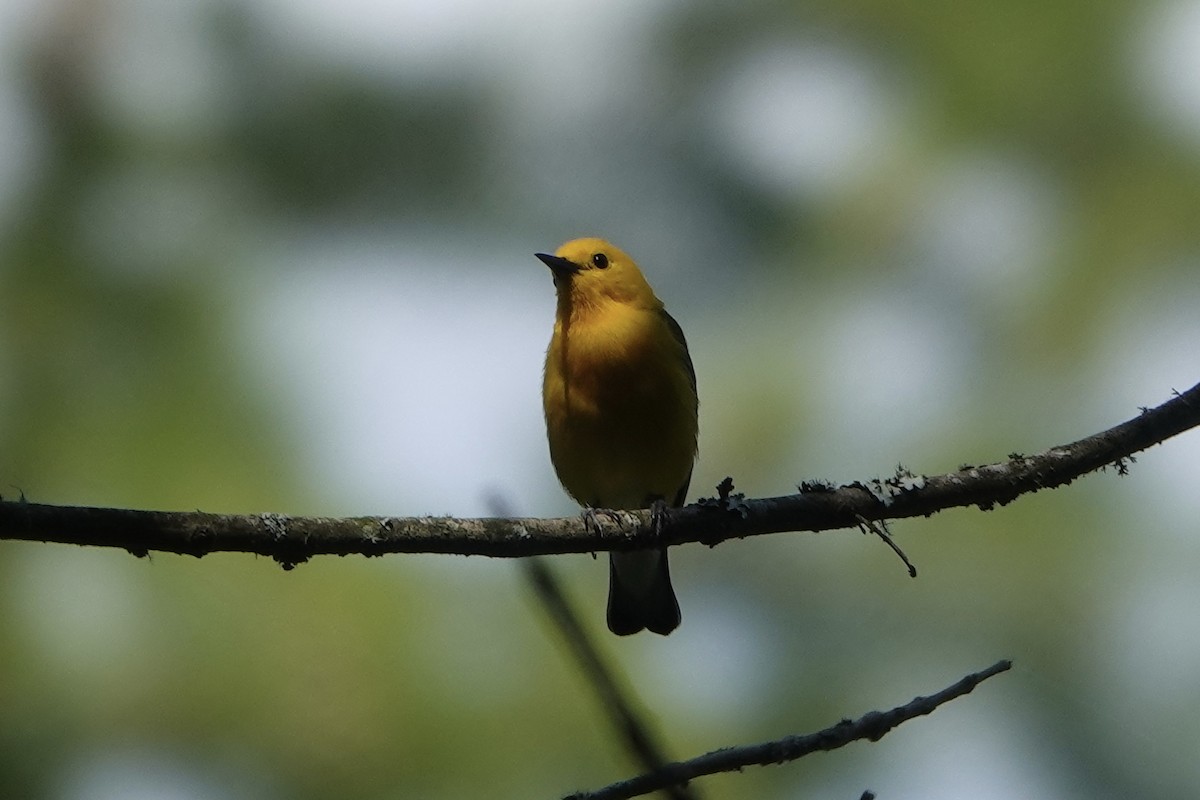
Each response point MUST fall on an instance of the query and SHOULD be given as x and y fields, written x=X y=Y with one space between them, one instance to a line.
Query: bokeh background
x=276 y=255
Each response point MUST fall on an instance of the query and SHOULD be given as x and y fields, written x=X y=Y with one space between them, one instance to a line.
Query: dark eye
x=600 y=261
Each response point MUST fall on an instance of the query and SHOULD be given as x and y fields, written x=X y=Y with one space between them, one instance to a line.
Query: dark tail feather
x=651 y=606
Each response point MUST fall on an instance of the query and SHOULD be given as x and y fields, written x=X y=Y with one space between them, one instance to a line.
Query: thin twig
x=601 y=676
x=879 y=528
x=872 y=726
x=817 y=507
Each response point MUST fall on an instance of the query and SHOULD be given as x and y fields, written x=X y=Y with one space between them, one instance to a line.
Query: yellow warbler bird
x=620 y=399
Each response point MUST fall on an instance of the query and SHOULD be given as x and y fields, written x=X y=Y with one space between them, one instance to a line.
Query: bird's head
x=588 y=272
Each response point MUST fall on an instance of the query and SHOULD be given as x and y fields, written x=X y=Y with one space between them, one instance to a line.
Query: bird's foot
x=660 y=513
x=622 y=520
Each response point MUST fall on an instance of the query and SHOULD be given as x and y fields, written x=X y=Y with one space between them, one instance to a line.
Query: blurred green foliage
x=132 y=251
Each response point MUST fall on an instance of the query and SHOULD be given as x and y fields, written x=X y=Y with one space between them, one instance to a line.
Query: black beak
x=561 y=267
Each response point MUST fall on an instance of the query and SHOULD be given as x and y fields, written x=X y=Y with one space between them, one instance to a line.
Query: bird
x=621 y=408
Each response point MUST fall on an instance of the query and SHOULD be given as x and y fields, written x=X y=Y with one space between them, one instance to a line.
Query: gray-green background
x=276 y=255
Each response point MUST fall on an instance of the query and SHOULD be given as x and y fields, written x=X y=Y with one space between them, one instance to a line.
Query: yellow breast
x=620 y=407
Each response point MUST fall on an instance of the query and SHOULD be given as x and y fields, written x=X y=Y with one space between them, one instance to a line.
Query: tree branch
x=817 y=507
x=870 y=726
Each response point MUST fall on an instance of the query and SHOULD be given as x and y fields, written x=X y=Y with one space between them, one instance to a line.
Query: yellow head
x=590 y=272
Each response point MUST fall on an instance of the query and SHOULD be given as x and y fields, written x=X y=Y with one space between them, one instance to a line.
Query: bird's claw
x=659 y=515
x=623 y=520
